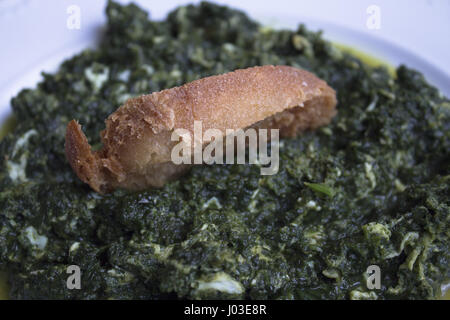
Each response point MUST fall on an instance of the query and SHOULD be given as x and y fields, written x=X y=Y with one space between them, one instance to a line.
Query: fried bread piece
x=137 y=143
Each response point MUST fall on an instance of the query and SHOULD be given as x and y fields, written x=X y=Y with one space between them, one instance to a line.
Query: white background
x=34 y=35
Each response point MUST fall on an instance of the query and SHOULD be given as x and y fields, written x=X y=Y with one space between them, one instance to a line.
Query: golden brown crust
x=137 y=144
x=84 y=162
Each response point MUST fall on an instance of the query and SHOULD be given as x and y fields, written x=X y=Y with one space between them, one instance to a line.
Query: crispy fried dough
x=137 y=140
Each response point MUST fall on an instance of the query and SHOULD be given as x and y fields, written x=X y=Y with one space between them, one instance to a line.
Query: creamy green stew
x=372 y=188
